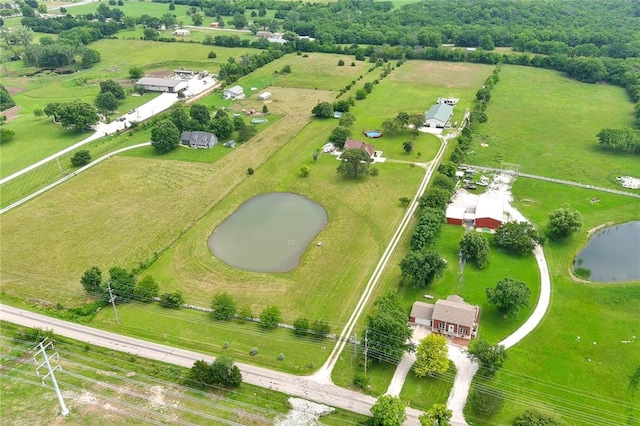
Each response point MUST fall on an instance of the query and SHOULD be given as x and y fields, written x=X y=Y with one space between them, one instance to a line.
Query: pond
x=612 y=254
x=268 y=233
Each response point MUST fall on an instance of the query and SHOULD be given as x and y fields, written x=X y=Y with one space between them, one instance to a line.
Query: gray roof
x=199 y=138
x=236 y=90
x=456 y=311
x=440 y=112
x=153 y=81
x=422 y=310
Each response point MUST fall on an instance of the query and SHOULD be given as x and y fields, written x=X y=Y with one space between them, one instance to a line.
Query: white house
x=235 y=92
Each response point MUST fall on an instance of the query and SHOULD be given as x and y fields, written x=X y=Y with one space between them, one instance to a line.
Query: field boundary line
x=69 y=176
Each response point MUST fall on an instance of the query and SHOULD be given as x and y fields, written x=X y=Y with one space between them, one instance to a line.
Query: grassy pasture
x=89 y=370
x=135 y=9
x=551 y=367
x=548 y=123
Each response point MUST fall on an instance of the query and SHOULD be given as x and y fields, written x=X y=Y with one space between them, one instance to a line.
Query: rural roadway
x=300 y=386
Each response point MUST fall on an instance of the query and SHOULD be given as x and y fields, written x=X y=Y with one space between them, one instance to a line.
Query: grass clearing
x=103 y=387
x=548 y=124
x=422 y=393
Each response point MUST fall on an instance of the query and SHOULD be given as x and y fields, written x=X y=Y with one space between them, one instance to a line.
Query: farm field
x=548 y=124
x=553 y=369
x=103 y=387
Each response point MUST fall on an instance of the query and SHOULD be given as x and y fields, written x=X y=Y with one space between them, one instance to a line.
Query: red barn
x=489 y=213
x=455 y=214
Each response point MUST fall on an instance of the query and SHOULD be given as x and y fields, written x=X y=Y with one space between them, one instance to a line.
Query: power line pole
x=366 y=349
x=42 y=350
x=112 y=299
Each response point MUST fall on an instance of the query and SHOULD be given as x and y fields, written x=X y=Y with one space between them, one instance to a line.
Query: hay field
x=548 y=123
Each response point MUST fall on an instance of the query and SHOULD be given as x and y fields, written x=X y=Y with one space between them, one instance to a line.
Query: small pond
x=268 y=233
x=612 y=254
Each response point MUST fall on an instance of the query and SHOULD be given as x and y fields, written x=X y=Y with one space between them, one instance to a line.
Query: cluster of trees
x=110 y=95
x=221 y=372
x=235 y=69
x=398 y=124
x=224 y=308
x=517 y=237
x=390 y=411
x=72 y=115
x=317 y=328
x=6 y=101
x=125 y=288
x=624 y=140
x=388 y=333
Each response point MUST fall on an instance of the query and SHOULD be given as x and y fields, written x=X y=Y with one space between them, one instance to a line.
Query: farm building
x=181 y=32
x=452 y=317
x=235 y=92
x=489 y=213
x=198 y=139
x=356 y=144
x=448 y=101
x=264 y=96
x=455 y=214
x=438 y=115
x=153 y=84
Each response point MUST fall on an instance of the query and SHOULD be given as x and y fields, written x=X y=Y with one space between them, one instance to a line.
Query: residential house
x=452 y=317
x=356 y=144
x=198 y=139
x=438 y=115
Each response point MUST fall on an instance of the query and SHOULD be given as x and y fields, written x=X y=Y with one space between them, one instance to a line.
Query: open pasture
x=318 y=71
x=558 y=367
x=548 y=124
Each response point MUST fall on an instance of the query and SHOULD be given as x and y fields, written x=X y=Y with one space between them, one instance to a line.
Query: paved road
x=300 y=386
x=143 y=112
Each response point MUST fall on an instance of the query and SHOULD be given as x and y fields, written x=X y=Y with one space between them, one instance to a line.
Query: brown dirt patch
x=14 y=90
x=11 y=113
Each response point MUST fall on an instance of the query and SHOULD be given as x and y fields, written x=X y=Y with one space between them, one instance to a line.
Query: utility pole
x=42 y=350
x=366 y=349
x=112 y=299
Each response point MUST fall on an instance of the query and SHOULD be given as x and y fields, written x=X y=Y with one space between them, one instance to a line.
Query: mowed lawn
x=553 y=369
x=548 y=124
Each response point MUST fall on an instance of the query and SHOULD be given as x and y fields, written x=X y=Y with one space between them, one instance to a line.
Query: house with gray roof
x=452 y=317
x=203 y=140
x=152 y=84
x=438 y=115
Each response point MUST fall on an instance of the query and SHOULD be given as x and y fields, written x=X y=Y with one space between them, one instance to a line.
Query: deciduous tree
x=436 y=198
x=432 y=356
x=76 y=115
x=323 y=110
x=80 y=158
x=200 y=113
x=475 y=246
x=123 y=284
x=490 y=357
x=92 y=280
x=509 y=296
x=172 y=300
x=106 y=101
x=487 y=401
x=388 y=332
x=388 y=411
x=339 y=135
x=224 y=306
x=536 y=418
x=270 y=317
x=517 y=237
x=354 y=163
x=165 y=136
x=422 y=267
x=437 y=415
x=146 y=289
x=111 y=86
x=564 y=222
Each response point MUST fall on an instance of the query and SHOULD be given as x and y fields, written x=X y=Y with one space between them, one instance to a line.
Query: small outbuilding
x=203 y=140
x=264 y=96
x=438 y=115
x=455 y=214
x=181 y=32
x=170 y=85
x=235 y=92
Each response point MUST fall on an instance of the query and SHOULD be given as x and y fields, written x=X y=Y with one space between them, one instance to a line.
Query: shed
x=438 y=115
x=455 y=214
x=264 y=96
x=153 y=84
x=235 y=92
x=181 y=32
x=338 y=114
x=489 y=212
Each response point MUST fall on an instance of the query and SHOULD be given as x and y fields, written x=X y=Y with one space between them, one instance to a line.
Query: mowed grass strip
x=548 y=124
x=583 y=382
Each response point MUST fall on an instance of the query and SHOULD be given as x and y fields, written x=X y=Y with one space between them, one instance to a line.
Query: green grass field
x=103 y=387
x=548 y=124
x=550 y=369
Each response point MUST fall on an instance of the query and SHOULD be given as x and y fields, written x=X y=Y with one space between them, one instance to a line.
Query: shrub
x=281 y=357
x=225 y=345
x=360 y=380
x=270 y=317
x=374 y=171
x=304 y=171
x=81 y=158
x=250 y=171
x=404 y=201
x=301 y=326
x=253 y=351
x=212 y=55
x=172 y=300
x=341 y=63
